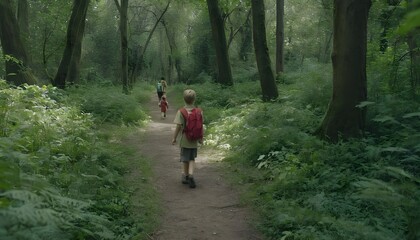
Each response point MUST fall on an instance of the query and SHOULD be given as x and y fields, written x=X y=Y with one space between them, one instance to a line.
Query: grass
x=144 y=203
x=305 y=188
x=67 y=159
x=59 y=164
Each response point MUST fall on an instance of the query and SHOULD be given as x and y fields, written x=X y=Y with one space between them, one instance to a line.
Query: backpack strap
x=184 y=113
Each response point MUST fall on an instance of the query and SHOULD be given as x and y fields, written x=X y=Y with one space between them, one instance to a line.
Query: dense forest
x=315 y=105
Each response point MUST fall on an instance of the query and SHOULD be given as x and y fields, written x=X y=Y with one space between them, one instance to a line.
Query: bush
x=305 y=188
x=57 y=178
x=110 y=105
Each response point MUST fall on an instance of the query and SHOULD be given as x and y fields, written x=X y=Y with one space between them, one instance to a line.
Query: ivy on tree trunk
x=17 y=71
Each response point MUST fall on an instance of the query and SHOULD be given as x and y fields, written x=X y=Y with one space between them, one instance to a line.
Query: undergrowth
x=61 y=174
x=109 y=105
x=305 y=188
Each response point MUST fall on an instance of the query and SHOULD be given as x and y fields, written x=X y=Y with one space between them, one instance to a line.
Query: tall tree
x=139 y=59
x=279 y=36
x=344 y=118
x=325 y=31
x=123 y=9
x=413 y=43
x=23 y=20
x=245 y=48
x=71 y=56
x=268 y=84
x=12 y=45
x=174 y=58
x=219 y=38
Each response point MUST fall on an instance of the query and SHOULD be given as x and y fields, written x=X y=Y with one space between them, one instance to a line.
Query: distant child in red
x=163 y=106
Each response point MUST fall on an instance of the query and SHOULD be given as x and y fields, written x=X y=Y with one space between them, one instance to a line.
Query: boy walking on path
x=189 y=120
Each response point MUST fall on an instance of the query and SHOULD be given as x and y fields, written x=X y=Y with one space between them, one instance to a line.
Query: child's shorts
x=188 y=154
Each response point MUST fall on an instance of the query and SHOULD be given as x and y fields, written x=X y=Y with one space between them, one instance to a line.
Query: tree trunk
x=268 y=84
x=124 y=45
x=71 y=58
x=280 y=36
x=74 y=68
x=246 y=39
x=23 y=20
x=343 y=118
x=413 y=42
x=139 y=59
x=174 y=58
x=325 y=29
x=16 y=71
x=219 y=38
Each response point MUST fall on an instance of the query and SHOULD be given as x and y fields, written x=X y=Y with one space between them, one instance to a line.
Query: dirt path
x=210 y=211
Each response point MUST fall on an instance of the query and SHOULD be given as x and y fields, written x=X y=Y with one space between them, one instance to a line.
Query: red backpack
x=193 y=128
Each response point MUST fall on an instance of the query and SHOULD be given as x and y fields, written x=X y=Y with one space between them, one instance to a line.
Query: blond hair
x=189 y=96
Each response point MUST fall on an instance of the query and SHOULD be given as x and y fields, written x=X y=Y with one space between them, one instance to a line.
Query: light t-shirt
x=179 y=119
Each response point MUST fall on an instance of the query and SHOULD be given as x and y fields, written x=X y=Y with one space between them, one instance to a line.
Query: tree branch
x=118 y=6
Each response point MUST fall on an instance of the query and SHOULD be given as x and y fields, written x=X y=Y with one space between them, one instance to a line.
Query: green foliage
x=212 y=98
x=109 y=105
x=305 y=188
x=411 y=19
x=59 y=178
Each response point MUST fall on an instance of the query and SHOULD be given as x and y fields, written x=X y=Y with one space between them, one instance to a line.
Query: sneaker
x=185 y=179
x=191 y=182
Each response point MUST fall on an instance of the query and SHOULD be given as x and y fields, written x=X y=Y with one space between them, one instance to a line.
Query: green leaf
x=409 y=115
x=364 y=104
x=383 y=119
x=411 y=21
x=398 y=172
x=394 y=149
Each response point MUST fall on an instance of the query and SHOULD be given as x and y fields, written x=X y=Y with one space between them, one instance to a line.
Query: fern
x=57 y=178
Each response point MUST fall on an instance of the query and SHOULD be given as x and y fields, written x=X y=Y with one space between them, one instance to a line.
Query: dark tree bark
x=413 y=43
x=123 y=9
x=74 y=68
x=343 y=118
x=268 y=84
x=224 y=76
x=23 y=20
x=280 y=36
x=71 y=56
x=16 y=69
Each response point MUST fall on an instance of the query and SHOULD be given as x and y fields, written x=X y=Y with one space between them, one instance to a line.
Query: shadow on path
x=210 y=211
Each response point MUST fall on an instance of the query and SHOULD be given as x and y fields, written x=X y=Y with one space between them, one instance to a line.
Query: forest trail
x=210 y=211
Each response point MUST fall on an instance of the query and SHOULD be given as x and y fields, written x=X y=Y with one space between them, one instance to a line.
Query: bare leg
x=185 y=173
x=191 y=180
x=185 y=166
x=191 y=168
